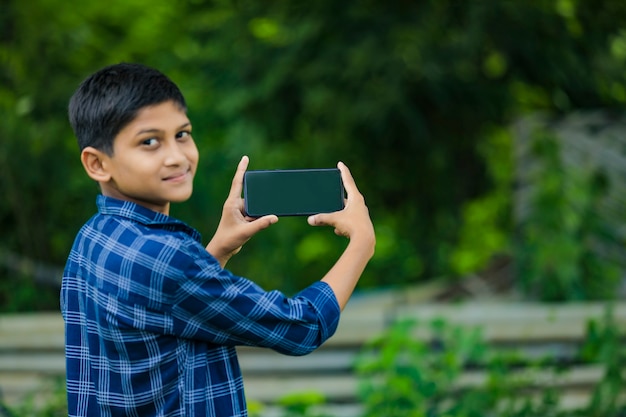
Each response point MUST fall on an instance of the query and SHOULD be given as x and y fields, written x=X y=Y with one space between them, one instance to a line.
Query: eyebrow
x=144 y=131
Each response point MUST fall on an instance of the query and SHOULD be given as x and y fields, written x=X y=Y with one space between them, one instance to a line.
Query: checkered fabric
x=152 y=320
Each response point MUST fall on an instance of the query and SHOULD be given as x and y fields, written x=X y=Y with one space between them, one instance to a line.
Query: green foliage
x=408 y=94
x=49 y=401
x=20 y=295
x=302 y=404
x=604 y=343
x=419 y=374
x=555 y=256
x=403 y=376
x=486 y=220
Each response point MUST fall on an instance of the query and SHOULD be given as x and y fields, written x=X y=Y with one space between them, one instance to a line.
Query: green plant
x=50 y=400
x=296 y=404
x=302 y=404
x=557 y=237
x=405 y=376
x=605 y=344
x=488 y=216
x=19 y=294
x=409 y=372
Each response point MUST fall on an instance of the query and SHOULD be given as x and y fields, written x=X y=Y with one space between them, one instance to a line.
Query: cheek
x=139 y=167
x=193 y=155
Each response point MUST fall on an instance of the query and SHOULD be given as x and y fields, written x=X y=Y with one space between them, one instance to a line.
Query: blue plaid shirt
x=152 y=320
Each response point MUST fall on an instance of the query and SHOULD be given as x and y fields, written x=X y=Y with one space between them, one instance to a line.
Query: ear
x=94 y=162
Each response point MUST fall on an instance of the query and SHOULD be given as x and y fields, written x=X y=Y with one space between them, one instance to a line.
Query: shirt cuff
x=323 y=298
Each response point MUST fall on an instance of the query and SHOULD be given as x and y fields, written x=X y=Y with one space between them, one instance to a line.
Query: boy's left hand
x=235 y=229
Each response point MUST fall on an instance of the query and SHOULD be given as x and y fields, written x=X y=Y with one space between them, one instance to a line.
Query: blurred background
x=488 y=137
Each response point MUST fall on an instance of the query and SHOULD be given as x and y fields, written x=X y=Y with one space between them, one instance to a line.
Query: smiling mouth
x=178 y=176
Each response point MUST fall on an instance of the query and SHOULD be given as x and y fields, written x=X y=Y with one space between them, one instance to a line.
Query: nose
x=175 y=154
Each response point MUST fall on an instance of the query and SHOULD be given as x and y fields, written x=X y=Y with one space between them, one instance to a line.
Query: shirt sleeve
x=214 y=305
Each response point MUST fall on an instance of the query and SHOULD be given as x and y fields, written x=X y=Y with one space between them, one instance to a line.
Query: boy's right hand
x=354 y=223
x=234 y=228
x=354 y=220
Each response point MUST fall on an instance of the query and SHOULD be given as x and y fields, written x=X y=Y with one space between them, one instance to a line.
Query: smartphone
x=295 y=192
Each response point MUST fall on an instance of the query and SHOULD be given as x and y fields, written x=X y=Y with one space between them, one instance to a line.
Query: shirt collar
x=133 y=211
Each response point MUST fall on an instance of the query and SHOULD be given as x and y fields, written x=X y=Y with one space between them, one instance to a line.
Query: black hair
x=109 y=99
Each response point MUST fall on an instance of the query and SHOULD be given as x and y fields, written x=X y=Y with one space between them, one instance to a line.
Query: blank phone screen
x=299 y=192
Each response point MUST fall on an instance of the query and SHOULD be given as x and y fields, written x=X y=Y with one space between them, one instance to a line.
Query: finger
x=348 y=180
x=237 y=184
x=322 y=219
x=266 y=221
x=259 y=224
x=312 y=220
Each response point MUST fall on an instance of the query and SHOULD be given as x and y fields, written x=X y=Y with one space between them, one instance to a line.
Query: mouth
x=178 y=176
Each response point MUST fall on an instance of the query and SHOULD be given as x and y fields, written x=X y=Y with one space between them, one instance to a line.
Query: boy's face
x=154 y=159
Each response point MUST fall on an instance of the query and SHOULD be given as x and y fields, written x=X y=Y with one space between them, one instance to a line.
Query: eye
x=150 y=142
x=183 y=134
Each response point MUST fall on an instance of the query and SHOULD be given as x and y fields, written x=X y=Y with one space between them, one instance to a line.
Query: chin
x=180 y=198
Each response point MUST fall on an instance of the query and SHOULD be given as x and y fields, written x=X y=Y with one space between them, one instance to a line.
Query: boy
x=152 y=318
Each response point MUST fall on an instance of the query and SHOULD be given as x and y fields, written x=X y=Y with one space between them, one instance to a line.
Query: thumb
x=265 y=221
x=321 y=219
x=328 y=219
